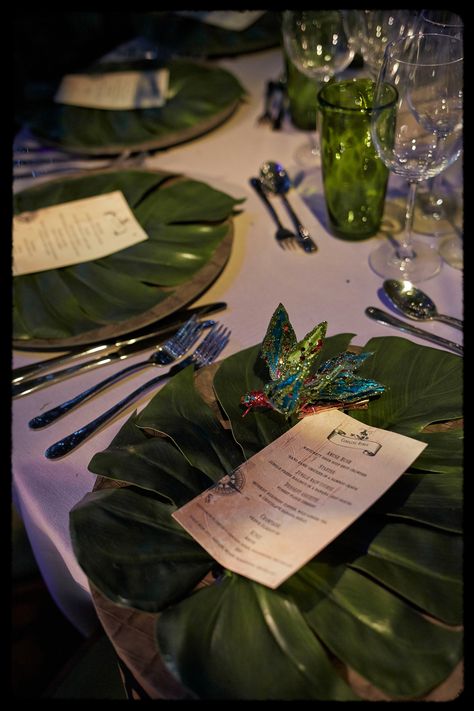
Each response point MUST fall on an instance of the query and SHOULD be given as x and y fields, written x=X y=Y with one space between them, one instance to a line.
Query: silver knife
x=167 y=326
x=29 y=386
x=388 y=320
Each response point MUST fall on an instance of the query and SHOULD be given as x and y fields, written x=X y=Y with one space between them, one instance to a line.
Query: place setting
x=238 y=419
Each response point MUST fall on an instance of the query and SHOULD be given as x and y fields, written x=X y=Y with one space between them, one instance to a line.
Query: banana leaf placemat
x=202 y=97
x=377 y=615
x=190 y=231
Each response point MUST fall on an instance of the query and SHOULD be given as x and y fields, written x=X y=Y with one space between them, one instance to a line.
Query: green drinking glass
x=354 y=177
x=302 y=97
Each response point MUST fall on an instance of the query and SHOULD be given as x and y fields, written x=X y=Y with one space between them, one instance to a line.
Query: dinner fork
x=285 y=238
x=206 y=353
x=167 y=353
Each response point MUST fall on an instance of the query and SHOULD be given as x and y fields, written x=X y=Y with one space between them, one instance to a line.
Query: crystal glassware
x=427 y=73
x=317 y=44
x=436 y=207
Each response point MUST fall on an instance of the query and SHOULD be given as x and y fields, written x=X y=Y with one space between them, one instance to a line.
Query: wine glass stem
x=405 y=249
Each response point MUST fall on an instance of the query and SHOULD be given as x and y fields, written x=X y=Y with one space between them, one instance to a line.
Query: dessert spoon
x=415 y=304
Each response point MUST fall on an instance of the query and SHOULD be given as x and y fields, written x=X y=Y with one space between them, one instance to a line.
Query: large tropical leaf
x=206 y=641
x=199 y=96
x=366 y=601
x=185 y=220
x=152 y=565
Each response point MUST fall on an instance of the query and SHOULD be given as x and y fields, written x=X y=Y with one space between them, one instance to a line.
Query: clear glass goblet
x=436 y=207
x=317 y=44
x=427 y=73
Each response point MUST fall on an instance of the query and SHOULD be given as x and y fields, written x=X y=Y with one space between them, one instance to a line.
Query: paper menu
x=73 y=232
x=115 y=90
x=289 y=501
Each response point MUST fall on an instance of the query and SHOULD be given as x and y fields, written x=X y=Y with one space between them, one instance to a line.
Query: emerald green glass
x=302 y=97
x=354 y=177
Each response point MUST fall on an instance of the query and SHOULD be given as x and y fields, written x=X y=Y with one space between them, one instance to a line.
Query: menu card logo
x=359 y=441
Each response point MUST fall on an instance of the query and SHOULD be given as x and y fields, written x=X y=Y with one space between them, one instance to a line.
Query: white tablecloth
x=334 y=284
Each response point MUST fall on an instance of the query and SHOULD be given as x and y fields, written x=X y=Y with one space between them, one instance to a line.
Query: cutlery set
x=417 y=305
x=31 y=159
x=275 y=106
x=174 y=351
x=274 y=180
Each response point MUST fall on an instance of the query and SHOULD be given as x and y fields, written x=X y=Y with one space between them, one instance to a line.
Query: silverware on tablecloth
x=207 y=352
x=274 y=109
x=170 y=351
x=388 y=320
x=284 y=237
x=142 y=338
x=275 y=179
x=415 y=304
x=38 y=163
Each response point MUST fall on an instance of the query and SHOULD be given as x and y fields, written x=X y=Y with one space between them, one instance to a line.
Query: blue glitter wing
x=280 y=339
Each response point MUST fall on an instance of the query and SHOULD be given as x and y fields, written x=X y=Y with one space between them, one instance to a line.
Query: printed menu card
x=73 y=232
x=290 y=500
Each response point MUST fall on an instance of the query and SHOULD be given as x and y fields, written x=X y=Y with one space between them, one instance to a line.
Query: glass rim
x=356 y=109
x=391 y=48
x=440 y=24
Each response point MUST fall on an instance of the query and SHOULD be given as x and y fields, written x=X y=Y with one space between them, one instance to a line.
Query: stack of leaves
x=384 y=599
x=185 y=221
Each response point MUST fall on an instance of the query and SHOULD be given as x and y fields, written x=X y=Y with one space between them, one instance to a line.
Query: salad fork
x=167 y=353
x=206 y=353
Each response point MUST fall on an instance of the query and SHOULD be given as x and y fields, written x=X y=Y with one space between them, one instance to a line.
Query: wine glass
x=427 y=73
x=434 y=210
x=317 y=44
x=374 y=30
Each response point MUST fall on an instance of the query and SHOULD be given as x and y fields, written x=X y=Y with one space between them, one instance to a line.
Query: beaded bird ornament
x=294 y=388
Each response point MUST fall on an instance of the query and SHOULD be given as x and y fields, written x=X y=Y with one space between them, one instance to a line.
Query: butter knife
x=166 y=327
x=388 y=320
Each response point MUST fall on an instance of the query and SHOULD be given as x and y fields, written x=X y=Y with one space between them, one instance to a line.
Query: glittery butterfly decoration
x=294 y=387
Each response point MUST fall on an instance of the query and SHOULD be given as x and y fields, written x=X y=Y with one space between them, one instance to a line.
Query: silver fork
x=209 y=349
x=167 y=353
x=285 y=238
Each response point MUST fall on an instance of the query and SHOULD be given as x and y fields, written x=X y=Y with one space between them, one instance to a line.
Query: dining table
x=335 y=283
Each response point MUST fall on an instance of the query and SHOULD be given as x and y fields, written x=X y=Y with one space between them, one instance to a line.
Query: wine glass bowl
x=426 y=71
x=438 y=209
x=316 y=42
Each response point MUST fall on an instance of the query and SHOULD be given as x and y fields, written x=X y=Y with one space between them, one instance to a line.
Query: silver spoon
x=415 y=304
x=276 y=180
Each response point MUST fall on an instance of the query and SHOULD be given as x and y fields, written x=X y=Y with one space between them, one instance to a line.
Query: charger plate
x=130 y=289
x=202 y=97
x=377 y=615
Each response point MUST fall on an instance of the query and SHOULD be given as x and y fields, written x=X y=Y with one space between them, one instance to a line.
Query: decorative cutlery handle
x=303 y=235
x=19 y=374
x=29 y=386
x=450 y=320
x=258 y=187
x=389 y=320
x=51 y=415
x=70 y=442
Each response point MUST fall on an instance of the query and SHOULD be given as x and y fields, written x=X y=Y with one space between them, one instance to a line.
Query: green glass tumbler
x=302 y=97
x=354 y=177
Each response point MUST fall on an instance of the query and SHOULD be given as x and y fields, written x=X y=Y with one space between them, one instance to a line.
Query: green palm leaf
x=199 y=95
x=186 y=222
x=206 y=642
x=365 y=601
